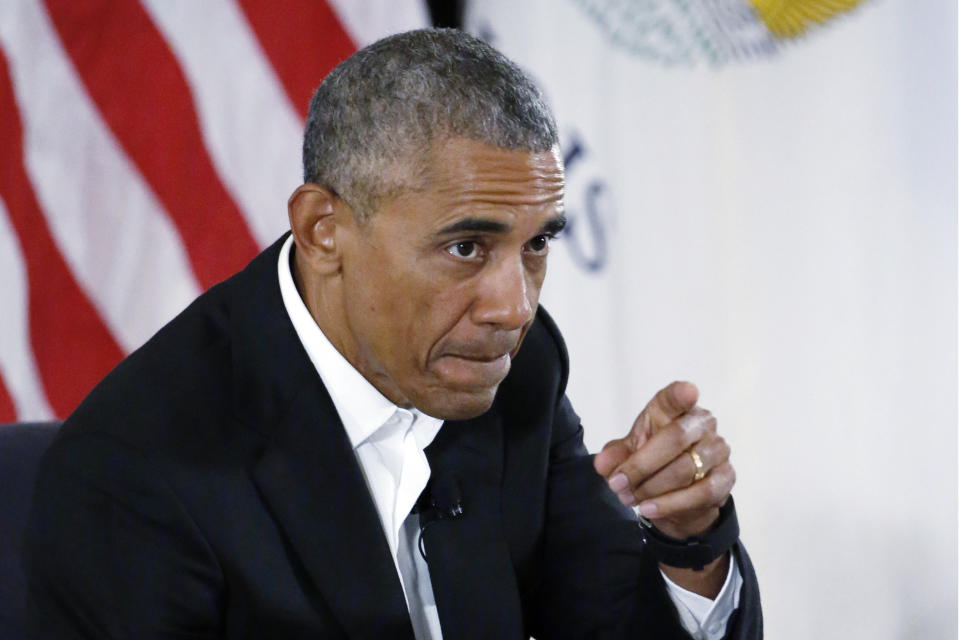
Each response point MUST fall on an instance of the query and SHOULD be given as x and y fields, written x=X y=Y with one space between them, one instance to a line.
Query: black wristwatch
x=697 y=551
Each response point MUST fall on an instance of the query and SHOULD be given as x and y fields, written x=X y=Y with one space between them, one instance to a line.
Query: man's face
x=441 y=284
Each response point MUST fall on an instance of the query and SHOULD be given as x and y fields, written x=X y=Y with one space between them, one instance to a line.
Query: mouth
x=479 y=357
x=473 y=370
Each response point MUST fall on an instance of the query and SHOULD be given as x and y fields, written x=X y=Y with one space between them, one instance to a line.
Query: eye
x=539 y=244
x=466 y=249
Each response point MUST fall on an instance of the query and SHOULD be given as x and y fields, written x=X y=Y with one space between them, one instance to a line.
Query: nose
x=507 y=296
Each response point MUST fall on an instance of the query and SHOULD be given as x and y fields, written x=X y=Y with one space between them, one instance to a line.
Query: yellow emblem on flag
x=790 y=18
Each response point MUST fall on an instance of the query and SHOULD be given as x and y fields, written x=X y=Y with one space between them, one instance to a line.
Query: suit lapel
x=314 y=486
x=470 y=569
x=306 y=472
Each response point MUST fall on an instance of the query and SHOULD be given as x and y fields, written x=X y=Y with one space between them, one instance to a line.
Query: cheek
x=410 y=319
x=371 y=310
x=535 y=278
x=431 y=311
x=441 y=314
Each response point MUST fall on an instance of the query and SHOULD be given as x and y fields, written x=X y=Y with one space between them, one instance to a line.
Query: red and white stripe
x=146 y=152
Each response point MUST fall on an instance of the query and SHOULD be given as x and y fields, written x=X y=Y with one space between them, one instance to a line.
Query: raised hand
x=656 y=465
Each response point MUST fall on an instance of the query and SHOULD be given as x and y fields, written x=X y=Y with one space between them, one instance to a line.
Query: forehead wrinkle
x=506 y=188
x=508 y=171
x=510 y=181
x=503 y=170
x=508 y=199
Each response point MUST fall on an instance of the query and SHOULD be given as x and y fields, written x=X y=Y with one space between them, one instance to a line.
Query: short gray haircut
x=376 y=116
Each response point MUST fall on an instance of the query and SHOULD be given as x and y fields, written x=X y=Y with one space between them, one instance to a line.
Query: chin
x=458 y=405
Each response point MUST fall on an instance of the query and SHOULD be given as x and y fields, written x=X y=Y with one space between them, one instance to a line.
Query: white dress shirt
x=388 y=442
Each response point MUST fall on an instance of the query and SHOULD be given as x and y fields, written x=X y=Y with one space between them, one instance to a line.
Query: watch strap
x=694 y=552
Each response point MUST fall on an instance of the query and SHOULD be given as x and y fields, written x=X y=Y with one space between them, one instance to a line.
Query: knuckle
x=710 y=422
x=697 y=425
x=727 y=477
x=708 y=442
x=633 y=469
x=716 y=488
x=723 y=447
x=677 y=436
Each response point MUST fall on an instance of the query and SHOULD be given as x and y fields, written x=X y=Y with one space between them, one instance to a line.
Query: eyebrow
x=483 y=225
x=555 y=225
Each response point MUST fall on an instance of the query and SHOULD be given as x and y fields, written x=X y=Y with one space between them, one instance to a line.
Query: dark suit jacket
x=206 y=488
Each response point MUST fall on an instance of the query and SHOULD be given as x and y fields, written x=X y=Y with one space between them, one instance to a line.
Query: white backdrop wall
x=781 y=229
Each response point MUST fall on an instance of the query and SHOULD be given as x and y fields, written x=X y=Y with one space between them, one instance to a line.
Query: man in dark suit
x=364 y=433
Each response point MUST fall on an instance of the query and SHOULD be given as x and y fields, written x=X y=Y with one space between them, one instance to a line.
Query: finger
x=670 y=403
x=613 y=454
x=710 y=492
x=665 y=445
x=680 y=473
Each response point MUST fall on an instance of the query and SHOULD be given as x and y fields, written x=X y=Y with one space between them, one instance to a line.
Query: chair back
x=21 y=445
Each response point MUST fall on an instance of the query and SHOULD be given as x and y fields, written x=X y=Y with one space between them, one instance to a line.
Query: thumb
x=613 y=454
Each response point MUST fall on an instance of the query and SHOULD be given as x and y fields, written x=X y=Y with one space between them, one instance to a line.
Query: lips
x=473 y=370
x=488 y=349
x=478 y=357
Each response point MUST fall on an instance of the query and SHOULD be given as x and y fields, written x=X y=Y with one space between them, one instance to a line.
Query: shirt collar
x=362 y=409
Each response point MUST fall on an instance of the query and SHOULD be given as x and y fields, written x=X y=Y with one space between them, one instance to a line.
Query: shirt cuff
x=703 y=618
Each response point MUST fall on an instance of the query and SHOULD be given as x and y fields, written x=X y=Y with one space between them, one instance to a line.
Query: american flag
x=147 y=149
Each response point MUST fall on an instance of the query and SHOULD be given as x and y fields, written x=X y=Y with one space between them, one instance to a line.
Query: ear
x=313 y=222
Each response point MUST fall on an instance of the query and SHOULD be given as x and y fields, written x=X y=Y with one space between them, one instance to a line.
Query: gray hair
x=377 y=115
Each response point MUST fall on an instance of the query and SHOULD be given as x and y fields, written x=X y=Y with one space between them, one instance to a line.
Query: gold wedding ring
x=698 y=463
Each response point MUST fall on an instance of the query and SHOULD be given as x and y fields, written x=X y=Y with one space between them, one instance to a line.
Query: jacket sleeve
x=599 y=581
x=110 y=551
